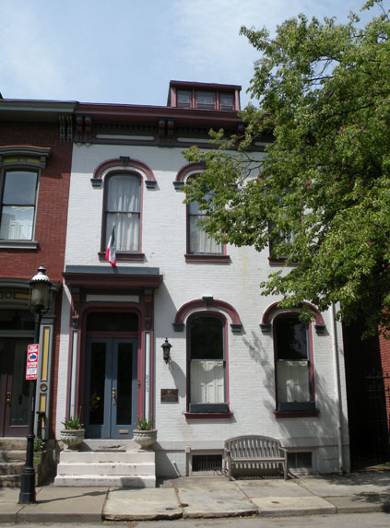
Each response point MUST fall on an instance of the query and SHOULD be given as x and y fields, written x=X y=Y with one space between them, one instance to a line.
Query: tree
x=321 y=194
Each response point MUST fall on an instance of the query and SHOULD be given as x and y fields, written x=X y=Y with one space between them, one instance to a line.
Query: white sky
x=127 y=51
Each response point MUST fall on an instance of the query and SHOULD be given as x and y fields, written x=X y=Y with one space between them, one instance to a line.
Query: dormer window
x=184 y=98
x=226 y=102
x=204 y=96
x=205 y=100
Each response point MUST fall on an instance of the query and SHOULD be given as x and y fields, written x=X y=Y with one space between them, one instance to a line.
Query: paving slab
x=8 y=512
x=9 y=506
x=363 y=503
x=343 y=486
x=286 y=506
x=272 y=488
x=56 y=504
x=9 y=495
x=212 y=498
x=142 y=504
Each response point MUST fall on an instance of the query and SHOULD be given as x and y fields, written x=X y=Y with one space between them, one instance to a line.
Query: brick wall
x=52 y=203
x=51 y=219
x=384 y=345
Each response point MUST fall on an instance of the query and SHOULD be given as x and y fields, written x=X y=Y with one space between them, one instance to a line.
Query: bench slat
x=244 y=452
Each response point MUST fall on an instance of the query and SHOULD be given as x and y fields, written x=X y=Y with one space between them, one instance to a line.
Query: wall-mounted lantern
x=166 y=346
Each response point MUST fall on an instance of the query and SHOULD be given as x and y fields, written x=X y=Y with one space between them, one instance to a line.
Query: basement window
x=300 y=461
x=206 y=464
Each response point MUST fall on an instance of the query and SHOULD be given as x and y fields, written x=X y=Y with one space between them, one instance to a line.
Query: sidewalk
x=204 y=498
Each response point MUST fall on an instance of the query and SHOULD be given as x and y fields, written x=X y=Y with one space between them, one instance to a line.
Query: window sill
x=281 y=261
x=18 y=244
x=208 y=416
x=207 y=259
x=297 y=414
x=126 y=257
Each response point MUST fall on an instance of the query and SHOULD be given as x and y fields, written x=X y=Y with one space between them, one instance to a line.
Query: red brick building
x=35 y=162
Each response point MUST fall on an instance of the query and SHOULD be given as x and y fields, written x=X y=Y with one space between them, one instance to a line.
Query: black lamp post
x=40 y=298
x=166 y=346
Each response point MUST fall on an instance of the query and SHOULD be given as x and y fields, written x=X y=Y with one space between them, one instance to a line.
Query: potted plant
x=144 y=434
x=73 y=433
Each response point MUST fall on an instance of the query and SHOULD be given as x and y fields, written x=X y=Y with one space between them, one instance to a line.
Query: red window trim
x=273 y=308
x=189 y=255
x=204 y=258
x=218 y=315
x=208 y=416
x=204 y=305
x=310 y=345
x=296 y=414
x=126 y=255
x=127 y=164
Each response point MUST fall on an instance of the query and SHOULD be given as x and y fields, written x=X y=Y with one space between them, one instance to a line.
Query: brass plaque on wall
x=169 y=395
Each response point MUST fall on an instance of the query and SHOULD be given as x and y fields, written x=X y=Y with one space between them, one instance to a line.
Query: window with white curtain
x=199 y=242
x=292 y=363
x=18 y=192
x=123 y=211
x=206 y=364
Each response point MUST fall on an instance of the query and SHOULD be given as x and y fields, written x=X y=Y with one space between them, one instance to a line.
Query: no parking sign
x=32 y=362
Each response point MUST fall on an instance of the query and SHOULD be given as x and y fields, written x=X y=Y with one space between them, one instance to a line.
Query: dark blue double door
x=111 y=398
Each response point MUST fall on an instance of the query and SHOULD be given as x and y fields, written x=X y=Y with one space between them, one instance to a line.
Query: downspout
x=336 y=364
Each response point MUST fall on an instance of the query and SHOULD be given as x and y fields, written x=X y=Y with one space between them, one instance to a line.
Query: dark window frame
x=286 y=409
x=193 y=101
x=122 y=255
x=19 y=167
x=213 y=409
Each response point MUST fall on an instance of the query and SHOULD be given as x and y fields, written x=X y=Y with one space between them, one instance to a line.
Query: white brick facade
x=250 y=353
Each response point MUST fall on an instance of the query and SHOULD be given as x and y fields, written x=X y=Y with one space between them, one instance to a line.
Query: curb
x=51 y=517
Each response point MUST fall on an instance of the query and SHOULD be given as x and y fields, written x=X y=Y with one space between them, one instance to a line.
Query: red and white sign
x=32 y=362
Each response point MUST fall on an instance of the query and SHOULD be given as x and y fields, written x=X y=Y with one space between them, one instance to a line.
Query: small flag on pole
x=110 y=254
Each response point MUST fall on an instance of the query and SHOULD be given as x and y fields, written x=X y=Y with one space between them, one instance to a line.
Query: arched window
x=293 y=366
x=198 y=241
x=206 y=367
x=123 y=211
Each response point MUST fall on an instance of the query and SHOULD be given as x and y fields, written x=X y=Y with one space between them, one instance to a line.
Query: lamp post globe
x=39 y=303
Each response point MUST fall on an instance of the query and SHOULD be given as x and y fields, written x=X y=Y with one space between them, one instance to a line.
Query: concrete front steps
x=12 y=459
x=107 y=463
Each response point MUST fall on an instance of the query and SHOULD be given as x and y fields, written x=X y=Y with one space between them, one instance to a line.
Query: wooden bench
x=254 y=454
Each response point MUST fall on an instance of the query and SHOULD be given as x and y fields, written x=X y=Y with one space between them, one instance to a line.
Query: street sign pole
x=27 y=480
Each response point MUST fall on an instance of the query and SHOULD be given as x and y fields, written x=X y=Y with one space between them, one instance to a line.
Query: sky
x=127 y=51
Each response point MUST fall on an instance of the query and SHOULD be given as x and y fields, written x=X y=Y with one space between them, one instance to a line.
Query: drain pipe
x=336 y=364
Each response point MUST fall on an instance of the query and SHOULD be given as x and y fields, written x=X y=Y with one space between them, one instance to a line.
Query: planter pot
x=72 y=437
x=145 y=439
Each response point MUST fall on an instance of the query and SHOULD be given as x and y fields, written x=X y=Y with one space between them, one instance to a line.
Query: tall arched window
x=123 y=211
x=293 y=367
x=206 y=368
x=198 y=241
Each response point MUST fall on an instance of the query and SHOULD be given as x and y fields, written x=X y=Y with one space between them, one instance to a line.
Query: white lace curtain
x=207 y=381
x=293 y=381
x=123 y=211
x=200 y=241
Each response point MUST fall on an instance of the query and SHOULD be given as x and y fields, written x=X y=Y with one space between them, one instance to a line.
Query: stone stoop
x=110 y=464
x=12 y=459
